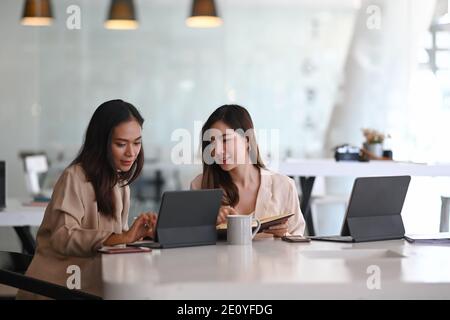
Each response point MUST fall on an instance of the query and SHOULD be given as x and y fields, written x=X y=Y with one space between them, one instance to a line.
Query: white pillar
x=378 y=70
x=376 y=83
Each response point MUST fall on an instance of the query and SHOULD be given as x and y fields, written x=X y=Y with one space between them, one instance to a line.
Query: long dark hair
x=237 y=118
x=95 y=156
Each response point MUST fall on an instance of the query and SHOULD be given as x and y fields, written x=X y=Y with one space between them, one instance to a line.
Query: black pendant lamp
x=203 y=15
x=37 y=13
x=122 y=15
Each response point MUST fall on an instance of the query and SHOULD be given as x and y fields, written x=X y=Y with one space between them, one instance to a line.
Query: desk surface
x=330 y=167
x=16 y=214
x=273 y=269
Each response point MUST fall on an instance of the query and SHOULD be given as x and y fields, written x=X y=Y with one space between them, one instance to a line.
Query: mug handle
x=257 y=227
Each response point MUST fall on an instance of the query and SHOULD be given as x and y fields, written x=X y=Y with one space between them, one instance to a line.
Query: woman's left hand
x=143 y=226
x=278 y=230
x=152 y=218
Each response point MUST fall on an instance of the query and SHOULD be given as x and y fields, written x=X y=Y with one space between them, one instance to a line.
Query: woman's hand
x=224 y=212
x=278 y=230
x=143 y=226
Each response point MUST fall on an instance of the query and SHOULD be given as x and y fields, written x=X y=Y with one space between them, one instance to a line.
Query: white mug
x=239 y=229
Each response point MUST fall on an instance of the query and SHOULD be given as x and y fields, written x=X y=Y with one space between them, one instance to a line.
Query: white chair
x=324 y=224
x=35 y=166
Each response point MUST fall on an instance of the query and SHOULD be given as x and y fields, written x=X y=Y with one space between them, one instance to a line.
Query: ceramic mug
x=239 y=229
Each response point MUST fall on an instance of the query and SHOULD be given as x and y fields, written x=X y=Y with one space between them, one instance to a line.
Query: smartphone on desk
x=295 y=239
x=116 y=250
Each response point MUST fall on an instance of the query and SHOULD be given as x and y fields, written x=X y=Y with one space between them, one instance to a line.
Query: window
x=437 y=45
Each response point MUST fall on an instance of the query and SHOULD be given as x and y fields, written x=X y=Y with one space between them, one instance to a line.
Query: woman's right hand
x=224 y=212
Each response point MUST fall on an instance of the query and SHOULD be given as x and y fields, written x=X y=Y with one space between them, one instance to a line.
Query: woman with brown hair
x=91 y=199
x=231 y=161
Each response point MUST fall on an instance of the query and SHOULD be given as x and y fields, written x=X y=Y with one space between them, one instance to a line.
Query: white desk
x=21 y=218
x=332 y=168
x=16 y=214
x=308 y=170
x=273 y=269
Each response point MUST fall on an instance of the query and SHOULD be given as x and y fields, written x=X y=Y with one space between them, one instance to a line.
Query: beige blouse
x=72 y=230
x=277 y=195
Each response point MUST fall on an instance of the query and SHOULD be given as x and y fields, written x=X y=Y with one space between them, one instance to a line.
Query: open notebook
x=265 y=222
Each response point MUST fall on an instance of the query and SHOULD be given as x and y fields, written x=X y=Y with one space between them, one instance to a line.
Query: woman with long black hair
x=90 y=201
x=232 y=162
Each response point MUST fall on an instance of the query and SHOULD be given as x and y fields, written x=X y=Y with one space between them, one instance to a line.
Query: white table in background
x=332 y=168
x=273 y=269
x=308 y=170
x=21 y=217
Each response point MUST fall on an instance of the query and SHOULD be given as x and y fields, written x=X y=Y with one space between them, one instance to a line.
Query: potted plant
x=374 y=141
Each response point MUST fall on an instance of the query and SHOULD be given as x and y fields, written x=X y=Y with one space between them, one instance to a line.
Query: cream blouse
x=277 y=195
x=72 y=230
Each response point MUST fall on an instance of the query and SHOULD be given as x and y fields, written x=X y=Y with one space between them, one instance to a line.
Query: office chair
x=12 y=269
x=36 y=166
